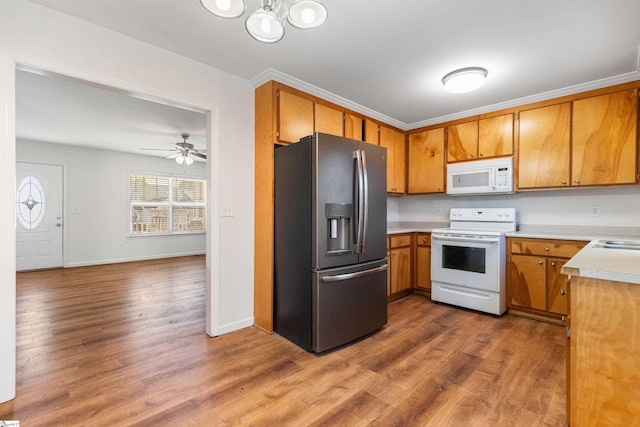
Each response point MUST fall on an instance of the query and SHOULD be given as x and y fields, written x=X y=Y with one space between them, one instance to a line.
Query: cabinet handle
x=563 y=292
x=424 y=240
x=481 y=155
x=546 y=249
x=577 y=181
x=473 y=156
x=564 y=182
x=540 y=262
x=553 y=264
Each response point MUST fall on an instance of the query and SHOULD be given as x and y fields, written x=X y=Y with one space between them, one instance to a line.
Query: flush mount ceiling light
x=464 y=79
x=267 y=23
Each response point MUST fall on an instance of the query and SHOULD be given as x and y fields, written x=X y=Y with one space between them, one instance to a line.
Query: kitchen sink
x=618 y=244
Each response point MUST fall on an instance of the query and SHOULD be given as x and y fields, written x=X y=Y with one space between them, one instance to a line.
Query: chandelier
x=267 y=23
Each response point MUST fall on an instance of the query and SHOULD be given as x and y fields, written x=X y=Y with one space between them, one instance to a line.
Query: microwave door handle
x=492 y=178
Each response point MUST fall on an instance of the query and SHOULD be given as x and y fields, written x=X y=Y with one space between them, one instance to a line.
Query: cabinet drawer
x=423 y=239
x=396 y=241
x=556 y=248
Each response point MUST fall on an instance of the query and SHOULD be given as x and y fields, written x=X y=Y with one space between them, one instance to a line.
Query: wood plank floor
x=125 y=345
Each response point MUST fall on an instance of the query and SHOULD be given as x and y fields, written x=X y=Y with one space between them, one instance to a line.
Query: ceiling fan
x=183 y=151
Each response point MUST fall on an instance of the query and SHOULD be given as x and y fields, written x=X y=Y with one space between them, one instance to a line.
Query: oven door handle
x=465 y=239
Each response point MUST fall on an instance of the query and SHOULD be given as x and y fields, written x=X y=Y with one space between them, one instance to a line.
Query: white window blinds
x=165 y=205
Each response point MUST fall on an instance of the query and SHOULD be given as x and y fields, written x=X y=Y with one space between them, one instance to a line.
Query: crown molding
x=271 y=74
x=557 y=93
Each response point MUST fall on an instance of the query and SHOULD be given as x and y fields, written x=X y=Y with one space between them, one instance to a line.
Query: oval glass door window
x=31 y=203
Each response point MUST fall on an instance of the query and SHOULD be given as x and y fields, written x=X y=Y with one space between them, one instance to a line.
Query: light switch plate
x=226 y=210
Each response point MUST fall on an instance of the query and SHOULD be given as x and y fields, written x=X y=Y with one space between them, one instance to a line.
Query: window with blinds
x=165 y=205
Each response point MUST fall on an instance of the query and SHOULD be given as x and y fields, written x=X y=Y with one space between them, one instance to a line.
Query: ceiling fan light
x=180 y=159
x=264 y=26
x=224 y=8
x=464 y=80
x=307 y=14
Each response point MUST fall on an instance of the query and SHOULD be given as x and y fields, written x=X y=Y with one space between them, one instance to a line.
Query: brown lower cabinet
x=604 y=353
x=399 y=260
x=423 y=262
x=535 y=286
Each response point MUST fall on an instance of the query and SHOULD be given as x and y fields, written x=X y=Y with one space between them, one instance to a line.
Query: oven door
x=469 y=261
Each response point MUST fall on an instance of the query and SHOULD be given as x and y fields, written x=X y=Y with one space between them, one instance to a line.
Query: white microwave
x=480 y=176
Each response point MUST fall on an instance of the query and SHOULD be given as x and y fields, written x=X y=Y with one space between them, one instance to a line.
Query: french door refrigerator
x=330 y=279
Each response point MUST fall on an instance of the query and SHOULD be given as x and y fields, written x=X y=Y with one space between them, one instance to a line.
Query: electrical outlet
x=595 y=210
x=438 y=211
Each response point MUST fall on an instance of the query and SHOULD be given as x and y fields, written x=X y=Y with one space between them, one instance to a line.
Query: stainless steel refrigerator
x=330 y=279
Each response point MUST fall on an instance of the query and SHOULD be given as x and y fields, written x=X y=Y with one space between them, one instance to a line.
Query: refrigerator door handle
x=365 y=202
x=357 y=274
x=360 y=207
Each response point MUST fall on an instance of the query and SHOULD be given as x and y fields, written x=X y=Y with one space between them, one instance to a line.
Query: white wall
x=619 y=206
x=96 y=187
x=42 y=38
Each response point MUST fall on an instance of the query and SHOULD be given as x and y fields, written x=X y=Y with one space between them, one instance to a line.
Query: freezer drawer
x=348 y=303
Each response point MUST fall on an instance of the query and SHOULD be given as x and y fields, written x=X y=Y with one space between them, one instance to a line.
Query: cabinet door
x=426 y=162
x=371 y=132
x=394 y=142
x=328 y=120
x=462 y=141
x=353 y=127
x=400 y=269
x=495 y=136
x=527 y=282
x=295 y=117
x=557 y=286
x=604 y=139
x=544 y=147
x=423 y=267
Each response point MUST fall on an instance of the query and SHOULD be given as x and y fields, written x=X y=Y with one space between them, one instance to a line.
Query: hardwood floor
x=125 y=345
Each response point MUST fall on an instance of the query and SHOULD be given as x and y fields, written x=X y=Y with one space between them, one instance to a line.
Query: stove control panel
x=488 y=214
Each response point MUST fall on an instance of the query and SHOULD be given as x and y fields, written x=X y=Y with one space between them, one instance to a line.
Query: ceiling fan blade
x=173 y=156
x=156 y=149
x=195 y=153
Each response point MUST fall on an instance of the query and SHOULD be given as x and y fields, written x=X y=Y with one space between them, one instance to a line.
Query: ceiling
x=57 y=109
x=388 y=57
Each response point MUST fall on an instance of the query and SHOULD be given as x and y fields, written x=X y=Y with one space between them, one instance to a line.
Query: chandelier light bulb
x=265 y=26
x=223 y=4
x=224 y=8
x=308 y=16
x=180 y=160
x=188 y=160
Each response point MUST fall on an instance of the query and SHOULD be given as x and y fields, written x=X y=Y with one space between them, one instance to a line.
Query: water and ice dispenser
x=338 y=228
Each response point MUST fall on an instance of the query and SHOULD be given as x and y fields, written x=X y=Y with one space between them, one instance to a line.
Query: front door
x=39 y=219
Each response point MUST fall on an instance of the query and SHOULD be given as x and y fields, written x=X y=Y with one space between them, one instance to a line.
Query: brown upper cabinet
x=328 y=120
x=353 y=127
x=484 y=138
x=604 y=139
x=393 y=140
x=426 y=162
x=295 y=117
x=371 y=132
x=544 y=147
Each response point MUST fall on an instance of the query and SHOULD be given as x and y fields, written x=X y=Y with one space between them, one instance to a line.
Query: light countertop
x=574 y=232
x=414 y=227
x=618 y=265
